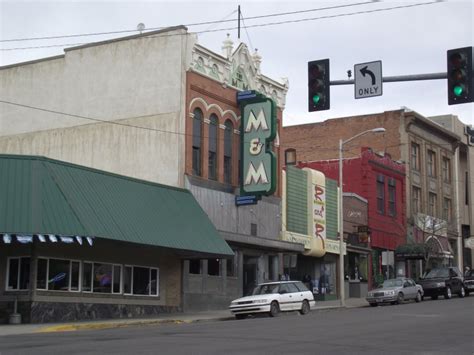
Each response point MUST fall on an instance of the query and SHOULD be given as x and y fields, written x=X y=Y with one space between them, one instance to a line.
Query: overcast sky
x=409 y=40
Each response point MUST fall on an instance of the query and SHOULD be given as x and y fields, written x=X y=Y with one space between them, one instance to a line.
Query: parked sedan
x=395 y=291
x=469 y=282
x=444 y=281
x=273 y=297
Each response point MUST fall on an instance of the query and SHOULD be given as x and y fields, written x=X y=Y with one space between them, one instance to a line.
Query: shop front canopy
x=49 y=200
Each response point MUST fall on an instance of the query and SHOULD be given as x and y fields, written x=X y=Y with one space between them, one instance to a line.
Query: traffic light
x=318 y=85
x=460 y=71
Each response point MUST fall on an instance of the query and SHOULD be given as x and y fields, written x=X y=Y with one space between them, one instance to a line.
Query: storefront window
x=102 y=278
x=141 y=279
x=127 y=280
x=195 y=266
x=87 y=277
x=117 y=278
x=75 y=269
x=357 y=267
x=41 y=275
x=18 y=273
x=58 y=276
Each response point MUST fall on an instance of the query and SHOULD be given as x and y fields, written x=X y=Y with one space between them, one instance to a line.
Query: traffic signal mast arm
x=399 y=78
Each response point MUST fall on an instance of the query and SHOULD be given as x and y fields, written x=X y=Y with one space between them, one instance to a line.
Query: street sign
x=368 y=79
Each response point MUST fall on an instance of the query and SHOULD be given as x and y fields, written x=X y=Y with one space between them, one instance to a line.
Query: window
x=214 y=267
x=415 y=156
x=466 y=189
x=127 y=280
x=145 y=281
x=75 y=272
x=230 y=266
x=195 y=266
x=102 y=280
x=392 y=208
x=416 y=196
x=380 y=194
x=228 y=133
x=431 y=161
x=117 y=277
x=213 y=147
x=446 y=170
x=197 y=134
x=253 y=229
x=18 y=274
x=60 y=275
x=447 y=211
x=87 y=277
x=41 y=274
x=432 y=204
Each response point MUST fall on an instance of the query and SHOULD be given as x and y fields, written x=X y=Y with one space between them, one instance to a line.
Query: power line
x=250 y=26
x=188 y=25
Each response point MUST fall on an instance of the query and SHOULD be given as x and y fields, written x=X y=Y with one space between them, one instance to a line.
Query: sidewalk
x=176 y=318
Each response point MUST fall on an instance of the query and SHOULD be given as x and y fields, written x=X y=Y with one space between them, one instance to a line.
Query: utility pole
x=238 y=24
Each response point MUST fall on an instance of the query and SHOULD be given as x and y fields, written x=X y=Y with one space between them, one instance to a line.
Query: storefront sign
x=332 y=246
x=258 y=130
x=318 y=198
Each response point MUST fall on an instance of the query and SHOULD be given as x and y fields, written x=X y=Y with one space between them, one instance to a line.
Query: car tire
x=373 y=304
x=467 y=293
x=240 y=316
x=448 y=294
x=418 y=297
x=462 y=293
x=274 y=309
x=305 y=308
x=400 y=298
x=434 y=297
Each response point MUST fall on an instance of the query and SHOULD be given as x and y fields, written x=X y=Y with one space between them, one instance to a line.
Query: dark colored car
x=444 y=281
x=469 y=282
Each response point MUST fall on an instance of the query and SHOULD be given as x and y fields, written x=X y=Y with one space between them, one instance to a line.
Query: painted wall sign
x=258 y=130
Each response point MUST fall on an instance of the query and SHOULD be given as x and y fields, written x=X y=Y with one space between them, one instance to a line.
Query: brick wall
x=320 y=141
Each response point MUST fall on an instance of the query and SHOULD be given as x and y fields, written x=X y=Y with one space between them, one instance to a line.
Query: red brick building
x=381 y=181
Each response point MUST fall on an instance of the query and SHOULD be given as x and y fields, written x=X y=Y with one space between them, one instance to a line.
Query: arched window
x=228 y=133
x=213 y=147
x=197 y=137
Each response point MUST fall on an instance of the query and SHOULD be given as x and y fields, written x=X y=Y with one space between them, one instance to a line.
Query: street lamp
x=341 y=212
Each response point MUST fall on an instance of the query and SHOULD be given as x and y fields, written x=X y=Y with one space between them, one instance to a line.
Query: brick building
x=381 y=181
x=427 y=149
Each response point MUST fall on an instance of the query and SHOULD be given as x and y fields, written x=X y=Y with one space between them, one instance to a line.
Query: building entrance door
x=250 y=274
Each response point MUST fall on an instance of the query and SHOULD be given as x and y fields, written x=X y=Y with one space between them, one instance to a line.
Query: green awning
x=44 y=196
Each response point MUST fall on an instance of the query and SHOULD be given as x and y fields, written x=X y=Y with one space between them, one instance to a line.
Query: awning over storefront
x=41 y=196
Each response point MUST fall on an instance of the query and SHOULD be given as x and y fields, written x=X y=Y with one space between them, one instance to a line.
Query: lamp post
x=341 y=212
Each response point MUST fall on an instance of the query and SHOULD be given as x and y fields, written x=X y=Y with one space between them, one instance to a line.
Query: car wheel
x=462 y=293
x=373 y=304
x=418 y=297
x=400 y=298
x=240 y=316
x=447 y=293
x=305 y=308
x=434 y=297
x=274 y=309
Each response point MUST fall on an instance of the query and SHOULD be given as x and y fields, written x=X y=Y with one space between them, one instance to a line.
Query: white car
x=273 y=297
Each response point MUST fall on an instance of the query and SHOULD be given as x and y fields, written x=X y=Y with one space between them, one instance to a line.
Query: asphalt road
x=429 y=327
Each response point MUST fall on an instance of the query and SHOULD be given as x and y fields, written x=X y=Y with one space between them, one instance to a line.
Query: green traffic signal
x=316 y=99
x=458 y=90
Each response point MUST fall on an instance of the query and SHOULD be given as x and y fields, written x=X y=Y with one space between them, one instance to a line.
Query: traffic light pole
x=399 y=78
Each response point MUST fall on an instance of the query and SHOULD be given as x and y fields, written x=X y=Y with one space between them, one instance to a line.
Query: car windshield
x=437 y=273
x=392 y=283
x=265 y=289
